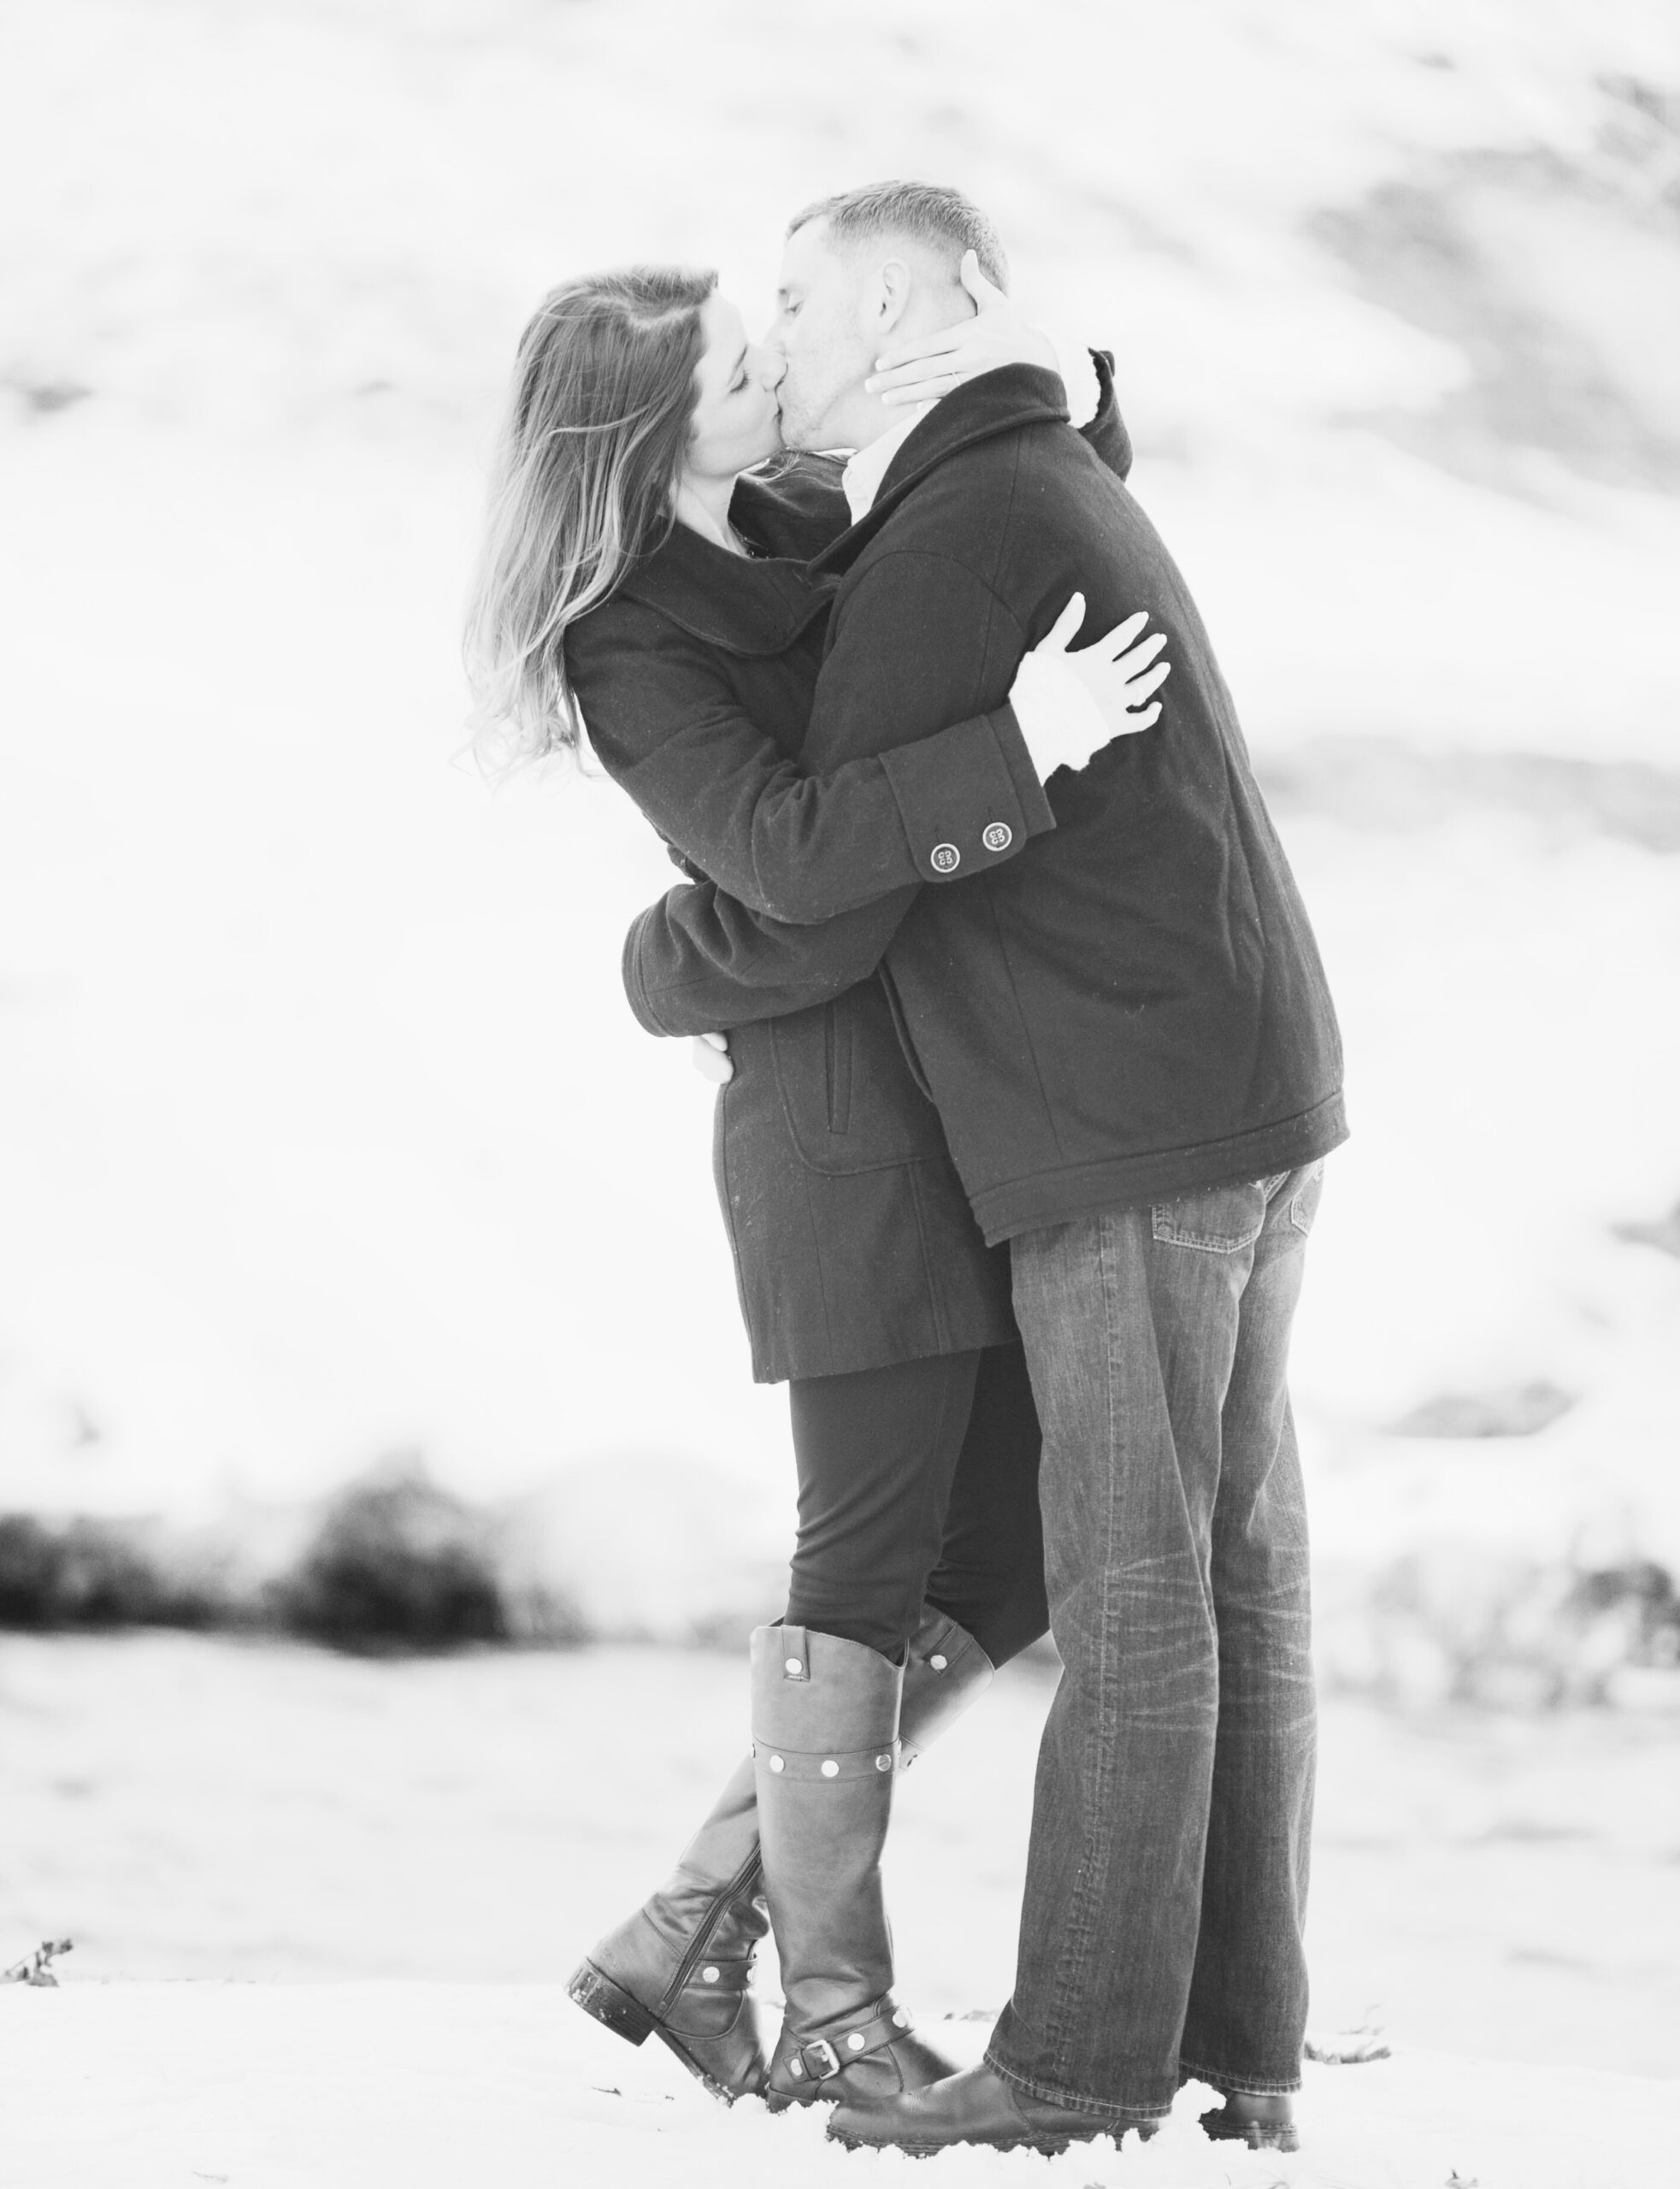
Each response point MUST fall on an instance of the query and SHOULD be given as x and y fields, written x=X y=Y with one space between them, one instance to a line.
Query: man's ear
x=892 y=298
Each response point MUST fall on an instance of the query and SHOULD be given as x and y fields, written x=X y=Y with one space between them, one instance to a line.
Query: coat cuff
x=969 y=797
x=635 y=987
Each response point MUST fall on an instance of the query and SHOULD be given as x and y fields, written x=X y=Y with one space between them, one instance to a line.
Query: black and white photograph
x=840 y=1094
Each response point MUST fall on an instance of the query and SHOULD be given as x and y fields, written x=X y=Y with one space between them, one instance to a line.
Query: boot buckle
x=819 y=2059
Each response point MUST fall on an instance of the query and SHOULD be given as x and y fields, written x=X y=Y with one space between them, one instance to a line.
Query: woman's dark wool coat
x=853 y=1242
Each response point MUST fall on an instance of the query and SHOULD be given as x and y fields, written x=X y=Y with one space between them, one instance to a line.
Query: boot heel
x=611 y=2005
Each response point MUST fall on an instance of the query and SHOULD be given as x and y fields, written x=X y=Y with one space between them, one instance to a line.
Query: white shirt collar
x=862 y=475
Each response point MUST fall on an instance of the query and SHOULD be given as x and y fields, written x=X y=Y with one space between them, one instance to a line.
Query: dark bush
x=30 y=1565
x=396 y=1562
x=88 y=1572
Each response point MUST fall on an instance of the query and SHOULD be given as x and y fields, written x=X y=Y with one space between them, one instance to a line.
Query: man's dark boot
x=825 y=1739
x=1264 y=2123
x=976 y=2106
x=678 y=1968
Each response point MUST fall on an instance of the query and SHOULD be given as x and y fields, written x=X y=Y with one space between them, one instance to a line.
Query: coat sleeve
x=796 y=846
x=701 y=960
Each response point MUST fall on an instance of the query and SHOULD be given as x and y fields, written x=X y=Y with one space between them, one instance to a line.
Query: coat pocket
x=837 y=1059
x=847 y=1091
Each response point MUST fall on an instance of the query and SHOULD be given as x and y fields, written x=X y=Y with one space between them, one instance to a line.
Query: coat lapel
x=749 y=605
x=997 y=403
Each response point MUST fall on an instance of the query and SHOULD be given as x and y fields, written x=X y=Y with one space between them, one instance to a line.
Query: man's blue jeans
x=1166 y=1882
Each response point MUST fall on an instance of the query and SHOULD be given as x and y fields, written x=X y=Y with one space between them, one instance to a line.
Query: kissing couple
x=1027 y=1070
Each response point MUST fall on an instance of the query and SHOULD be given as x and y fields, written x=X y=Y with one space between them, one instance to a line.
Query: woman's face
x=737 y=419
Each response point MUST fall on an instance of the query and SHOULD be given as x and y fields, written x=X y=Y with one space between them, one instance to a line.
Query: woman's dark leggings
x=918 y=1484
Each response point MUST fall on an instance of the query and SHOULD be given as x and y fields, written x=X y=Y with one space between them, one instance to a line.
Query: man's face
x=825 y=328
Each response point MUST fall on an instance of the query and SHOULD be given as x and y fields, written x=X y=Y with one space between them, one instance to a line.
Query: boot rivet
x=794 y=1667
x=901 y=2016
x=776 y=1764
x=938 y=1663
x=795 y=2067
x=883 y=1763
x=707 y=1976
x=830 y=1768
x=855 y=2040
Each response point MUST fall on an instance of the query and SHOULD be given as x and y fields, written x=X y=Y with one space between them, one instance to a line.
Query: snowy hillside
x=323 y=1130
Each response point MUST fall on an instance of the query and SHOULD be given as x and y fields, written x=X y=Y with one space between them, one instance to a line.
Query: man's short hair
x=927 y=211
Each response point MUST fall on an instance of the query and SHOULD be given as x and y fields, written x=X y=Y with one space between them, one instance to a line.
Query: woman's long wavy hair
x=583 y=481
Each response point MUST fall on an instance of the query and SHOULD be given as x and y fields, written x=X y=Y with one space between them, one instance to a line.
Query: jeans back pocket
x=1216 y=1219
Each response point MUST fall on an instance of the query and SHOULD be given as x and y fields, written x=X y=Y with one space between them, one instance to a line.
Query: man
x=1129 y=1037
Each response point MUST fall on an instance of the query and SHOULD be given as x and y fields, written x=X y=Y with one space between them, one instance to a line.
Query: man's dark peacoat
x=1133 y=1007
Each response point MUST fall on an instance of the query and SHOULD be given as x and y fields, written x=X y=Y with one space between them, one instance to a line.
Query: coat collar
x=996 y=403
x=756 y=606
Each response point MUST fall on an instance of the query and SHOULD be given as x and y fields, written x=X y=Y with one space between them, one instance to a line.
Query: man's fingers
x=708 y=1054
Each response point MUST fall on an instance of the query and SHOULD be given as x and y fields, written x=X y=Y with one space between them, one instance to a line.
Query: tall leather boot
x=678 y=1969
x=826 y=1745
x=945 y=1669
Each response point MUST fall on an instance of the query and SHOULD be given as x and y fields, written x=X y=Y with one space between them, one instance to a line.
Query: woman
x=644 y=571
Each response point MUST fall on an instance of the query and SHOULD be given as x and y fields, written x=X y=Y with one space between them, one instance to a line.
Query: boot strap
x=813 y=1763
x=823 y=2057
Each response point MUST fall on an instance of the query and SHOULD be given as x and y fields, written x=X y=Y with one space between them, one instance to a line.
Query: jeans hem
x=1108 y=2109
x=1192 y=2071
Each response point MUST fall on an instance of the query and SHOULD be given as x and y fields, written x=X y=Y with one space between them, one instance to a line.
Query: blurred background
x=361 y=1283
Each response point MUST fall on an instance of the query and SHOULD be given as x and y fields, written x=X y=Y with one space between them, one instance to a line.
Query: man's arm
x=699 y=960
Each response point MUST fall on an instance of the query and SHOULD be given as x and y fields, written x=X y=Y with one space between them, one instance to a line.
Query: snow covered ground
x=324 y=1908
x=1505 y=1887
x=358 y=2086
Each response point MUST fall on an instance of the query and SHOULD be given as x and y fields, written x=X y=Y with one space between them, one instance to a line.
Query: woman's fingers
x=1138 y=688
x=1114 y=643
x=1139 y=656
x=920 y=391
x=1060 y=635
x=1147 y=719
x=890 y=365
x=984 y=292
x=916 y=372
